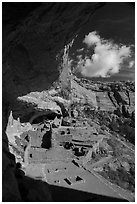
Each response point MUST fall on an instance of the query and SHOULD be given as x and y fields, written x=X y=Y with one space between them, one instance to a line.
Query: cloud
x=92 y=38
x=107 y=57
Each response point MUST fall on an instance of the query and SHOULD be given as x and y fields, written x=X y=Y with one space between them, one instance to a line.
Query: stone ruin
x=25 y=138
x=30 y=141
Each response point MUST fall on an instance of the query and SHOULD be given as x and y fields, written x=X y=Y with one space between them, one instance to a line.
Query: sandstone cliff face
x=105 y=96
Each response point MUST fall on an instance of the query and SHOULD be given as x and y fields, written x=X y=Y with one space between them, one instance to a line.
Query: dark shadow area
x=33 y=190
x=46 y=141
x=111 y=99
x=37 y=190
x=62 y=194
x=43 y=117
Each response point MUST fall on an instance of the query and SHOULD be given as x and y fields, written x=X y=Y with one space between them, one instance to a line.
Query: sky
x=105 y=47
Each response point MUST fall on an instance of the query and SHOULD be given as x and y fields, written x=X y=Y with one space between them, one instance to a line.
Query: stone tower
x=10 y=122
